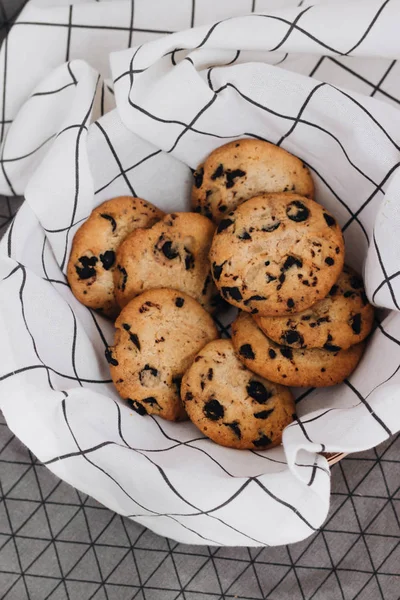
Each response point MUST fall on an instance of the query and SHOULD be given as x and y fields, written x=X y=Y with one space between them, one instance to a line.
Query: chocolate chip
x=292 y=261
x=87 y=269
x=168 y=251
x=282 y=278
x=146 y=373
x=198 y=177
x=137 y=407
x=262 y=441
x=244 y=236
x=235 y=428
x=217 y=270
x=337 y=250
x=188 y=397
x=272 y=353
x=306 y=318
x=329 y=261
x=355 y=323
x=329 y=220
x=222 y=208
x=323 y=320
x=267 y=263
x=292 y=337
x=323 y=370
x=135 y=340
x=213 y=410
x=232 y=292
x=264 y=414
x=189 y=260
x=348 y=294
x=258 y=391
x=290 y=303
x=207 y=212
x=297 y=211
x=356 y=283
x=210 y=374
x=179 y=302
x=152 y=370
x=247 y=351
x=126 y=326
x=232 y=175
x=110 y=359
x=270 y=228
x=224 y=224
x=111 y=219
x=286 y=352
x=333 y=290
x=122 y=284
x=270 y=277
x=364 y=298
x=254 y=298
x=219 y=171
x=147 y=305
x=152 y=401
x=331 y=347
x=107 y=259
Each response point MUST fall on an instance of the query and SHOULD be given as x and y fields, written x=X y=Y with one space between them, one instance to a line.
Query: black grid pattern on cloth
x=98 y=564
x=378 y=82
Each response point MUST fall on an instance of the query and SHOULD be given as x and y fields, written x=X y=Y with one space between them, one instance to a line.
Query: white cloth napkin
x=177 y=97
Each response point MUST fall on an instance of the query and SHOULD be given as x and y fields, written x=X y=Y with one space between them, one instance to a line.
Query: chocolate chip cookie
x=277 y=254
x=342 y=319
x=230 y=404
x=92 y=259
x=315 y=367
x=174 y=254
x=158 y=335
x=243 y=169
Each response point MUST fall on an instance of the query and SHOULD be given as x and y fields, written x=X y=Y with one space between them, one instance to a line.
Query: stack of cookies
x=257 y=239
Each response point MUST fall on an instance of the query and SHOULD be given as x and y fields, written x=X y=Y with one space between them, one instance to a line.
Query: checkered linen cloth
x=96 y=102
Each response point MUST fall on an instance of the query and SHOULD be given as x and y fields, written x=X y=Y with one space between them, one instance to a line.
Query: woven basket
x=334 y=457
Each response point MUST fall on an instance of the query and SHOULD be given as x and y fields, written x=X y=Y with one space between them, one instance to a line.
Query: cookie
x=157 y=336
x=172 y=254
x=92 y=259
x=310 y=367
x=230 y=404
x=243 y=169
x=342 y=319
x=277 y=254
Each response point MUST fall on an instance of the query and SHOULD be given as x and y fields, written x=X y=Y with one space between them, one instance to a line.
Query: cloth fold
x=78 y=132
